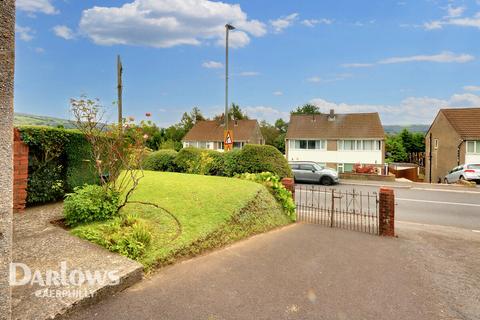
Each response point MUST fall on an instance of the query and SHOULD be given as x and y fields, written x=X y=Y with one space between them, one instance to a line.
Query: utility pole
x=119 y=88
x=228 y=27
x=7 y=63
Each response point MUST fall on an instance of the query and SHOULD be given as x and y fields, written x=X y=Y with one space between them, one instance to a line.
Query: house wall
x=445 y=157
x=257 y=137
x=472 y=158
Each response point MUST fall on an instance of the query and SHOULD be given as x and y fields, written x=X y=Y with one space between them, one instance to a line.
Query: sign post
x=228 y=140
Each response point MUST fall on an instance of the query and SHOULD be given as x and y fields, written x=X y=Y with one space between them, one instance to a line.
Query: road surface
x=454 y=207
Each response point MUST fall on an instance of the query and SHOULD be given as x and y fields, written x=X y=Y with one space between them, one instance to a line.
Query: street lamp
x=228 y=27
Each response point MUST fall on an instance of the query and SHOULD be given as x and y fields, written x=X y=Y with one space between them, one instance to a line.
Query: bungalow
x=338 y=141
x=209 y=134
x=453 y=139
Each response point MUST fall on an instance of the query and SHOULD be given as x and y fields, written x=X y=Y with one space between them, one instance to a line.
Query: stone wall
x=7 y=63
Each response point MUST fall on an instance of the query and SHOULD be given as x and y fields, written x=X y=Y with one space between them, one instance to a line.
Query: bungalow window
x=368 y=145
x=310 y=144
x=359 y=145
x=473 y=146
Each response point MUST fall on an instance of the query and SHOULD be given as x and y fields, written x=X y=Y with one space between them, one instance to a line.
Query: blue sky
x=402 y=58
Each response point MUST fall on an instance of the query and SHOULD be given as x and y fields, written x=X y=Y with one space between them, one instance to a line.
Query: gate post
x=386 y=213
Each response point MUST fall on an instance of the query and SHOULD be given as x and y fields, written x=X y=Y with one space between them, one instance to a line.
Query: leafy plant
x=90 y=203
x=260 y=158
x=276 y=187
x=162 y=160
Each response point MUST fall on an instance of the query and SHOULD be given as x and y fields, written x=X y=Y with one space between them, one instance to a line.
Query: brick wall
x=20 y=172
x=386 y=223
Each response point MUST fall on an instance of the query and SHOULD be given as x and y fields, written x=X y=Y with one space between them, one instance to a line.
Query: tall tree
x=307 y=109
x=281 y=125
x=196 y=115
x=7 y=62
x=236 y=113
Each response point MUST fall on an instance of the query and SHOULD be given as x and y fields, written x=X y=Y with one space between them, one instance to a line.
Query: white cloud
x=64 y=32
x=411 y=110
x=25 y=33
x=313 y=22
x=284 y=22
x=443 y=57
x=471 y=88
x=212 y=65
x=331 y=78
x=39 y=50
x=249 y=74
x=33 y=6
x=453 y=12
x=454 y=18
x=266 y=113
x=277 y=93
x=314 y=79
x=168 y=23
x=432 y=25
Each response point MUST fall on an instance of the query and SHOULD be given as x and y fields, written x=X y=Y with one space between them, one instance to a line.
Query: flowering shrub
x=273 y=183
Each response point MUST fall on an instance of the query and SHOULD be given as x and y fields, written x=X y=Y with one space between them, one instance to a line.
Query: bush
x=276 y=187
x=59 y=160
x=90 y=203
x=230 y=163
x=127 y=235
x=162 y=160
x=262 y=158
x=186 y=157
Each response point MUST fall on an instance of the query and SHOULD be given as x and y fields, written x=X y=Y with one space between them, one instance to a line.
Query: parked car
x=469 y=172
x=309 y=171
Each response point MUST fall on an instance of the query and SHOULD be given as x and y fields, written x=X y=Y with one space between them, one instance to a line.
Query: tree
x=281 y=125
x=307 y=109
x=196 y=115
x=395 y=151
x=236 y=113
x=7 y=61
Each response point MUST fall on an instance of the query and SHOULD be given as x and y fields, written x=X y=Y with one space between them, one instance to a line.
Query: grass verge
x=199 y=213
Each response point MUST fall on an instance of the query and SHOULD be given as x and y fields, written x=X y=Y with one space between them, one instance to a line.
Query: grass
x=212 y=211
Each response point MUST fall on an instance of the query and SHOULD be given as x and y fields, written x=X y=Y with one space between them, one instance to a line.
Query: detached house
x=453 y=139
x=337 y=141
x=209 y=134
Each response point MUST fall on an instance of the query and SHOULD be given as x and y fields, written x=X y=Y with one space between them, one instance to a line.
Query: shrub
x=162 y=160
x=261 y=158
x=186 y=157
x=230 y=163
x=45 y=184
x=276 y=187
x=90 y=203
x=127 y=235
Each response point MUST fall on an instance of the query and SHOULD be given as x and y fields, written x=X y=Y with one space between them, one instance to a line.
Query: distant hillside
x=23 y=119
x=412 y=128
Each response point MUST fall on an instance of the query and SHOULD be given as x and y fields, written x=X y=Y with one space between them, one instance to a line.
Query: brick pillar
x=20 y=172
x=386 y=208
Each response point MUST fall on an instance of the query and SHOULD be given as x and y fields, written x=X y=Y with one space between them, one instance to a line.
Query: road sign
x=228 y=140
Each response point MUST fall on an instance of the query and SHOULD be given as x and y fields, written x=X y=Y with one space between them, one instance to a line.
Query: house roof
x=466 y=121
x=349 y=125
x=211 y=130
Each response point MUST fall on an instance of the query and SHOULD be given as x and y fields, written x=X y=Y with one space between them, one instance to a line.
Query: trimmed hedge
x=161 y=160
x=262 y=158
x=59 y=161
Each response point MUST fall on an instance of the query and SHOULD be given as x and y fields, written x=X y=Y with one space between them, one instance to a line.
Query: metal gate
x=346 y=209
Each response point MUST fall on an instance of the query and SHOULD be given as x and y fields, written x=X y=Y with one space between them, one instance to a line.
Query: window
x=473 y=146
x=306 y=167
x=340 y=167
x=435 y=144
x=295 y=166
x=309 y=144
x=348 y=167
x=202 y=145
x=237 y=145
x=359 y=145
x=368 y=145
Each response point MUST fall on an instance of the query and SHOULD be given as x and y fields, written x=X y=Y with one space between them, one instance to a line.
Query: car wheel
x=462 y=178
x=326 y=181
x=445 y=181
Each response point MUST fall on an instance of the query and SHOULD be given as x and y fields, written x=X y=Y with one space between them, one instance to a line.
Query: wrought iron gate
x=347 y=209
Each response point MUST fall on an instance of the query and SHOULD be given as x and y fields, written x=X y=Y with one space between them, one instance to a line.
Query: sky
x=402 y=58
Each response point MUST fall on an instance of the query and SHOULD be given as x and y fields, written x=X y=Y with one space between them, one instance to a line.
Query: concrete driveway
x=305 y=272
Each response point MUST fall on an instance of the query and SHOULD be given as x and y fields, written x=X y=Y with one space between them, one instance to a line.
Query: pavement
x=446 y=205
x=42 y=246
x=313 y=272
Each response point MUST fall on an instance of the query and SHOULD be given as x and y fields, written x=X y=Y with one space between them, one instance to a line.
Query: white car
x=469 y=171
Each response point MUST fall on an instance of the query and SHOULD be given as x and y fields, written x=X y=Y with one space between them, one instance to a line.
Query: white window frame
x=476 y=146
x=359 y=145
x=321 y=143
x=435 y=143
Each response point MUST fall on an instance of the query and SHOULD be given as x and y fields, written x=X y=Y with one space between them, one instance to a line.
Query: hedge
x=59 y=161
x=161 y=160
x=250 y=159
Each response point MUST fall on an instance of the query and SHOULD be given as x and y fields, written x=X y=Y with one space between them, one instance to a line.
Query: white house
x=337 y=141
x=209 y=134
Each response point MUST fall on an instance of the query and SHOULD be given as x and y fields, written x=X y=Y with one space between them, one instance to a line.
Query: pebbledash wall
x=20 y=172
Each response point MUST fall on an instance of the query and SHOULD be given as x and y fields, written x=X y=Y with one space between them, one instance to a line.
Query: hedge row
x=251 y=159
x=59 y=161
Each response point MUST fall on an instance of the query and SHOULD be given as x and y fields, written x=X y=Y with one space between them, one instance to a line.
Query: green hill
x=23 y=119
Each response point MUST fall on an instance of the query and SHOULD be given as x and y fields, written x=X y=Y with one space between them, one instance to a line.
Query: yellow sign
x=228 y=140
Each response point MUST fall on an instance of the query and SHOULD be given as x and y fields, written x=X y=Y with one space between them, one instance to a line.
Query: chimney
x=331 y=116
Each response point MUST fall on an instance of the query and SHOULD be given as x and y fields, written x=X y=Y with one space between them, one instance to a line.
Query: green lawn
x=212 y=211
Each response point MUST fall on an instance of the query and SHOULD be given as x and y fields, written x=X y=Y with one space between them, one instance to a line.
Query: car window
x=294 y=166
x=474 y=166
x=308 y=167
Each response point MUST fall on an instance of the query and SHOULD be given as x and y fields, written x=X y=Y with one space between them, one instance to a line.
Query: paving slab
x=42 y=246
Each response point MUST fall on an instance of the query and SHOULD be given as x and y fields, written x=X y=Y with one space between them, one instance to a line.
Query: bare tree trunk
x=7 y=59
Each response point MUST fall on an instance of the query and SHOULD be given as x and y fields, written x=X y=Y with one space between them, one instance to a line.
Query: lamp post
x=228 y=27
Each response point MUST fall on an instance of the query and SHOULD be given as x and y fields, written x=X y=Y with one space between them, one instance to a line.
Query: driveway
x=308 y=272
